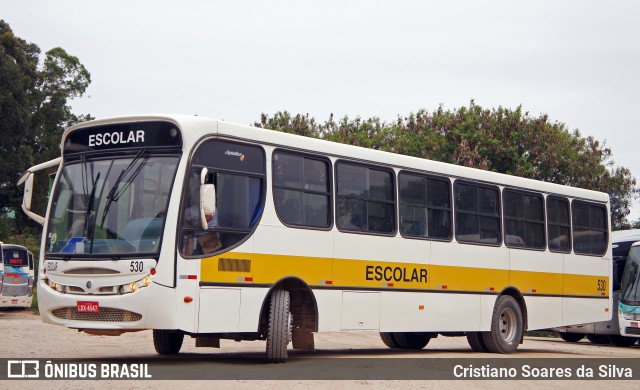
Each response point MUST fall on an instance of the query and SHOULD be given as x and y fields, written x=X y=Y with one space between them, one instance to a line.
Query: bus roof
x=194 y=128
x=625 y=235
x=12 y=246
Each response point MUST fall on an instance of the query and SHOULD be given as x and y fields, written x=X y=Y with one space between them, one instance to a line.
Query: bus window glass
x=288 y=170
x=351 y=214
x=590 y=235
x=380 y=185
x=477 y=213
x=365 y=201
x=523 y=220
x=425 y=206
x=303 y=201
x=558 y=224
x=316 y=175
x=630 y=290
x=353 y=180
x=237 y=171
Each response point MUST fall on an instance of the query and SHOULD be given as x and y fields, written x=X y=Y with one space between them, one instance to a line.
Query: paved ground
x=25 y=336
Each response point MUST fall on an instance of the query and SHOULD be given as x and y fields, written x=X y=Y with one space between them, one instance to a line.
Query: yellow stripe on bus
x=317 y=271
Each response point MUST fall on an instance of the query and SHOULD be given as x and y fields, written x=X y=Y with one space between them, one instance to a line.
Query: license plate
x=634 y=324
x=87 y=307
x=14 y=301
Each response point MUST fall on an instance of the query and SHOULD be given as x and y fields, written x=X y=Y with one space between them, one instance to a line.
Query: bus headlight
x=135 y=286
x=629 y=316
x=56 y=286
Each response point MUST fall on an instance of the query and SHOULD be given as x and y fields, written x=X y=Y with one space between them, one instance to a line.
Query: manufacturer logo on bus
x=236 y=154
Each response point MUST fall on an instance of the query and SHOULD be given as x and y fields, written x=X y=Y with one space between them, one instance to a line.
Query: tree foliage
x=34 y=111
x=501 y=140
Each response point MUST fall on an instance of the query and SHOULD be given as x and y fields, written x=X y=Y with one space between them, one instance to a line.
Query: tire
x=507 y=326
x=388 y=340
x=412 y=340
x=476 y=342
x=622 y=341
x=279 y=331
x=598 y=339
x=571 y=337
x=167 y=342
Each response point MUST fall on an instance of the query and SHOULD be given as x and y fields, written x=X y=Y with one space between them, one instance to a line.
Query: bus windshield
x=110 y=206
x=630 y=290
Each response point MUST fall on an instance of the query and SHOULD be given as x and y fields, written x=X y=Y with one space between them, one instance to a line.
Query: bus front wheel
x=279 y=330
x=506 y=326
x=167 y=342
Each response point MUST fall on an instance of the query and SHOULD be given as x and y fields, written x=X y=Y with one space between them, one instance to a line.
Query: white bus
x=16 y=276
x=629 y=302
x=190 y=226
x=608 y=332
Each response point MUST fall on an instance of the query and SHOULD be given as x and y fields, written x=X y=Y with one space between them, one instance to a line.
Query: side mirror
x=27 y=180
x=207 y=199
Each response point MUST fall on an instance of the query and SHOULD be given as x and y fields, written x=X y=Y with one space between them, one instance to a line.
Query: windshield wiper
x=112 y=196
x=88 y=221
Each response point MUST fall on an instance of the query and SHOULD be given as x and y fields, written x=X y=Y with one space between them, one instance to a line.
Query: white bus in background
x=629 y=302
x=608 y=332
x=197 y=227
x=16 y=276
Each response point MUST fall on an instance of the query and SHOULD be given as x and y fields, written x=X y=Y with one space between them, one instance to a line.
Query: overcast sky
x=577 y=61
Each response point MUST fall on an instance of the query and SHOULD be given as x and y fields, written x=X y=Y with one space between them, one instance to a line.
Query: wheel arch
x=304 y=307
x=517 y=295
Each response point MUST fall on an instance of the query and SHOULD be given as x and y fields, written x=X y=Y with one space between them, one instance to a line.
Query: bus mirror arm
x=207 y=199
x=27 y=180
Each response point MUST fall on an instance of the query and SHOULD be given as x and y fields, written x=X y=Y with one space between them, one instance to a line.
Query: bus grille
x=14 y=291
x=106 y=314
x=630 y=330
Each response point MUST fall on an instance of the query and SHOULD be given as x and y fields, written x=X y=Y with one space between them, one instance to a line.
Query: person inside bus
x=200 y=242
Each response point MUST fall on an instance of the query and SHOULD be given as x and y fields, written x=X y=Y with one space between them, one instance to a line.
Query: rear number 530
x=602 y=285
x=136 y=266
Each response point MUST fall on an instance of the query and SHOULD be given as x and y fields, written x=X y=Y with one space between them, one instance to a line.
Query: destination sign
x=123 y=136
x=16 y=258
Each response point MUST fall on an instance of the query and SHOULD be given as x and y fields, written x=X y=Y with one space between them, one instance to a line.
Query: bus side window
x=590 y=230
x=477 y=213
x=365 y=200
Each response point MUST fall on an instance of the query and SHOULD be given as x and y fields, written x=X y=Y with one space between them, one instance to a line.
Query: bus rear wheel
x=412 y=340
x=598 y=339
x=476 y=341
x=571 y=337
x=167 y=342
x=388 y=340
x=506 y=326
x=622 y=341
x=279 y=330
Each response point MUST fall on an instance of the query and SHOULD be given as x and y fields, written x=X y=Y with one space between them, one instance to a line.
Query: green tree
x=34 y=111
x=501 y=140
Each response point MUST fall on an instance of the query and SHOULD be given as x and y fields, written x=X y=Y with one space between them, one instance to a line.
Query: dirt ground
x=25 y=336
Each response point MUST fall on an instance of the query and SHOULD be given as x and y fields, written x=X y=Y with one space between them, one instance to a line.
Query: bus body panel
x=543 y=312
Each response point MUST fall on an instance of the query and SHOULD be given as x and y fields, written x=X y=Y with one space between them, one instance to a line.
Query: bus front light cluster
x=56 y=286
x=630 y=316
x=134 y=286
